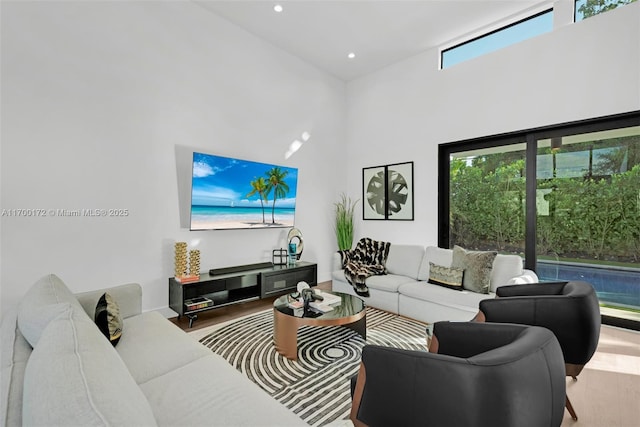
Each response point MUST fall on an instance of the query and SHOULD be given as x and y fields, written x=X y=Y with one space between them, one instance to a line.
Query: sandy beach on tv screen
x=230 y=225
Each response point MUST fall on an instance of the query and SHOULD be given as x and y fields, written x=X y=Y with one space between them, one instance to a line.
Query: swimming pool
x=618 y=286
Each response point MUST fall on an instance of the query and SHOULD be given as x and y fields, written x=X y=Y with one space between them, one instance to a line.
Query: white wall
x=401 y=113
x=95 y=99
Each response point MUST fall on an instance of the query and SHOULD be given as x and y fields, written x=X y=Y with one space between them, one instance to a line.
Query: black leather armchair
x=569 y=309
x=483 y=375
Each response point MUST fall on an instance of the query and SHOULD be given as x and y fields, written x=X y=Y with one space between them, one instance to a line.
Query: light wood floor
x=607 y=393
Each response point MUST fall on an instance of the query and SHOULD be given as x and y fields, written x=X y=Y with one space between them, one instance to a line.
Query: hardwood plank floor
x=607 y=393
x=231 y=312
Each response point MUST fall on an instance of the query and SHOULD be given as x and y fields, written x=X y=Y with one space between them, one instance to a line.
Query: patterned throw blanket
x=366 y=260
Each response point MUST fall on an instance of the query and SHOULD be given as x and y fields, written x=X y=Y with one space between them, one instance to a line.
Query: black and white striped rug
x=316 y=386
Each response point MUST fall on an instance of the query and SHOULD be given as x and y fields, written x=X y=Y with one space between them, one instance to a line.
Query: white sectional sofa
x=405 y=290
x=58 y=369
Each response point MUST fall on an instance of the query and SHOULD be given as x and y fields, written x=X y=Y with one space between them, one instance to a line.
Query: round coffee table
x=349 y=312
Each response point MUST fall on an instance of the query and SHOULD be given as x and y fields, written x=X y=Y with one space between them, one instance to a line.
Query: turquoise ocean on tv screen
x=240 y=214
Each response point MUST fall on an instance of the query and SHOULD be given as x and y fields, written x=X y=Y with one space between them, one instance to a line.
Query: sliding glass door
x=566 y=198
x=588 y=216
x=487 y=198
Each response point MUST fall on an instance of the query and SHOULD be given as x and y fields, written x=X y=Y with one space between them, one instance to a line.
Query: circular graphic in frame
x=398 y=192
x=388 y=192
x=375 y=193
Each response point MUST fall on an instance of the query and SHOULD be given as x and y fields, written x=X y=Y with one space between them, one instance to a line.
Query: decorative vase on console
x=295 y=236
x=293 y=256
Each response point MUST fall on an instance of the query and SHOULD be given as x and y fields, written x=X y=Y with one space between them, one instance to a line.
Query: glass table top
x=346 y=306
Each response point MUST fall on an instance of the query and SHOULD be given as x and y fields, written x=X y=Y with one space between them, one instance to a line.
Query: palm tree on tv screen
x=275 y=182
x=259 y=186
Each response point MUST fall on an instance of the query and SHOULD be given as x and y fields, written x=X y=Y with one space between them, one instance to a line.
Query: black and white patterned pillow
x=108 y=318
x=449 y=277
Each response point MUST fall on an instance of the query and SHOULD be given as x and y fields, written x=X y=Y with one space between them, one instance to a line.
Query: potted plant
x=344 y=222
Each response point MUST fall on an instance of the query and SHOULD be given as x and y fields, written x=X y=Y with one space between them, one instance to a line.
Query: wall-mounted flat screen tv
x=229 y=193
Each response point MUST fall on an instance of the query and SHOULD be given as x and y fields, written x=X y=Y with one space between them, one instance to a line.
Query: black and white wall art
x=400 y=191
x=374 y=193
x=387 y=192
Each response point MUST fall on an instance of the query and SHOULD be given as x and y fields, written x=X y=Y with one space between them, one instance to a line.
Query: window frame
x=530 y=138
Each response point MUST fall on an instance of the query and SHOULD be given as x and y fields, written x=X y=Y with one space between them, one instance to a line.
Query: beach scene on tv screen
x=229 y=193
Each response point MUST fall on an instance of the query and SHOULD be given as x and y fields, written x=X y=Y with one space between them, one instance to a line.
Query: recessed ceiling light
x=278 y=8
x=351 y=55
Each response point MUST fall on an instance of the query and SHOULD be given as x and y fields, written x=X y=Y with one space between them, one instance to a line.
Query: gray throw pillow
x=477 y=266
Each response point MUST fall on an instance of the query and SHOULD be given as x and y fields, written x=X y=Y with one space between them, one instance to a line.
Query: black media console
x=231 y=285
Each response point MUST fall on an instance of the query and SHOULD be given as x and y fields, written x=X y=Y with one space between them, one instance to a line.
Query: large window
x=487 y=198
x=586 y=8
x=566 y=198
x=505 y=36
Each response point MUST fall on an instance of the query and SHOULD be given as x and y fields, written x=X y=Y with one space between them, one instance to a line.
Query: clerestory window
x=587 y=8
x=511 y=34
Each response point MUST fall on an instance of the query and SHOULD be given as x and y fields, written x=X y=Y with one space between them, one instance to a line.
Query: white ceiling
x=380 y=33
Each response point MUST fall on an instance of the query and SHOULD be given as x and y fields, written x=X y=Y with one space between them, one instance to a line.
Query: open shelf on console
x=232 y=285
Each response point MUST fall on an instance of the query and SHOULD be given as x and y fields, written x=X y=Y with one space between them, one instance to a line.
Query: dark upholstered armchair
x=569 y=309
x=482 y=375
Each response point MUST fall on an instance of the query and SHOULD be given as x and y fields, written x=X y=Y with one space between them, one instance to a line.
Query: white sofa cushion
x=505 y=268
x=75 y=377
x=438 y=256
x=214 y=394
x=405 y=260
x=44 y=301
x=465 y=300
x=385 y=282
x=151 y=346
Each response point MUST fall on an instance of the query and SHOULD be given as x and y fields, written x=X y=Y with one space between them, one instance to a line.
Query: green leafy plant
x=594 y=7
x=344 y=221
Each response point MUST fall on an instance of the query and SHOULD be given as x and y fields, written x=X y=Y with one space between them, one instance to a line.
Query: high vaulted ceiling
x=380 y=33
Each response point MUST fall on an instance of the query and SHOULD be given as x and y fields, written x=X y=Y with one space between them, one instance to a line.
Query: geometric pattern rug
x=317 y=385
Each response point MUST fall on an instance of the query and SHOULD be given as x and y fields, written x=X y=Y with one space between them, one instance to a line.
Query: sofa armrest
x=128 y=297
x=336 y=262
x=527 y=276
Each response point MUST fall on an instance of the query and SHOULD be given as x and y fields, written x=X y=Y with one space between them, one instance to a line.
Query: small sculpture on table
x=279 y=257
x=194 y=262
x=180 y=259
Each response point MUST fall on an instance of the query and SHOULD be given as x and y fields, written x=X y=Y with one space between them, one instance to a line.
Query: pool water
x=616 y=286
